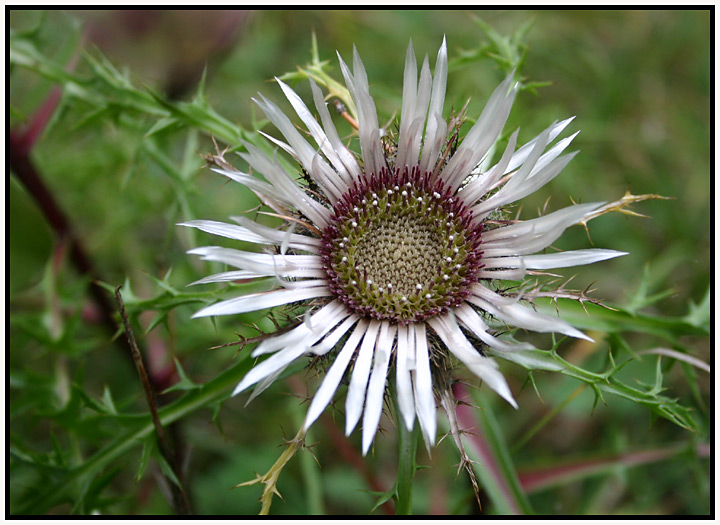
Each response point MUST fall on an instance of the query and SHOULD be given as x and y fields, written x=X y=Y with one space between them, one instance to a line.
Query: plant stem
x=180 y=500
x=407 y=440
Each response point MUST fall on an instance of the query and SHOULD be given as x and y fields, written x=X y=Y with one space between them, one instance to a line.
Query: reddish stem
x=535 y=480
x=24 y=169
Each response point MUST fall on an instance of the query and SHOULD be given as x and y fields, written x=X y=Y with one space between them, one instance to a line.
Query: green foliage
x=508 y=52
x=124 y=160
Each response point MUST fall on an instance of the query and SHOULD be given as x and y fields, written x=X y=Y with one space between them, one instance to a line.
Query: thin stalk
x=407 y=441
x=547 y=417
x=211 y=392
x=310 y=472
x=180 y=500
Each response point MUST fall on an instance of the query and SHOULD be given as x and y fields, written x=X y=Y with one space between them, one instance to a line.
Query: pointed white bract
x=359 y=380
x=376 y=388
x=334 y=375
x=423 y=387
x=403 y=382
x=365 y=346
x=485 y=368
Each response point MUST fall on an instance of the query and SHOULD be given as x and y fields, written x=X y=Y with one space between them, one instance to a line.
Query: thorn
x=342 y=110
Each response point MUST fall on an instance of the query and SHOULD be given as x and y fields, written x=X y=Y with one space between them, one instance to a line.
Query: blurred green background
x=639 y=83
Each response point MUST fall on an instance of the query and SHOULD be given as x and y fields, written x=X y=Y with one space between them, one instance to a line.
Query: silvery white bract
x=393 y=243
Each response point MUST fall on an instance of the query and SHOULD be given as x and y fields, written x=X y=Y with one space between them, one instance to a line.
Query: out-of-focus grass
x=639 y=83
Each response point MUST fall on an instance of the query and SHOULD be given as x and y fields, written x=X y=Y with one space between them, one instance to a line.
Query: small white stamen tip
x=419 y=286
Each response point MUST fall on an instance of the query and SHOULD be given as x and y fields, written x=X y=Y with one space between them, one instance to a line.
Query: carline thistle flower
x=400 y=255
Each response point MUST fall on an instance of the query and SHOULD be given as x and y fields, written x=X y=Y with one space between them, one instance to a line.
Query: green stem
x=407 y=440
x=547 y=417
x=310 y=472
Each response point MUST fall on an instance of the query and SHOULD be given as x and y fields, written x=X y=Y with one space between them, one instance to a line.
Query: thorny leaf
x=270 y=478
x=448 y=402
x=699 y=314
x=621 y=205
x=317 y=70
x=604 y=382
x=539 y=290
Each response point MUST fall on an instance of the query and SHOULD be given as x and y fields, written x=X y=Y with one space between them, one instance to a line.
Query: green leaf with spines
x=594 y=317
x=185 y=382
x=699 y=314
x=149 y=446
x=89 y=499
x=642 y=297
x=167 y=470
x=603 y=382
x=381 y=497
x=219 y=388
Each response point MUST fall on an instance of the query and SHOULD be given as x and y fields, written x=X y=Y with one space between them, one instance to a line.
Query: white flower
x=395 y=245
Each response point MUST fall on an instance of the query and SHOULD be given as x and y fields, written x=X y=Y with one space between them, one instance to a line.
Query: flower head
x=395 y=244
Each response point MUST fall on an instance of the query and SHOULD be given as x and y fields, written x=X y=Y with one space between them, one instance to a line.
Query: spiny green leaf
x=185 y=382
x=108 y=401
x=160 y=318
x=699 y=314
x=164 y=283
x=466 y=57
x=168 y=470
x=199 y=114
x=642 y=297
x=91 y=403
x=531 y=380
x=163 y=124
x=149 y=446
x=58 y=454
x=89 y=499
x=381 y=497
x=619 y=320
x=52 y=493
x=603 y=382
